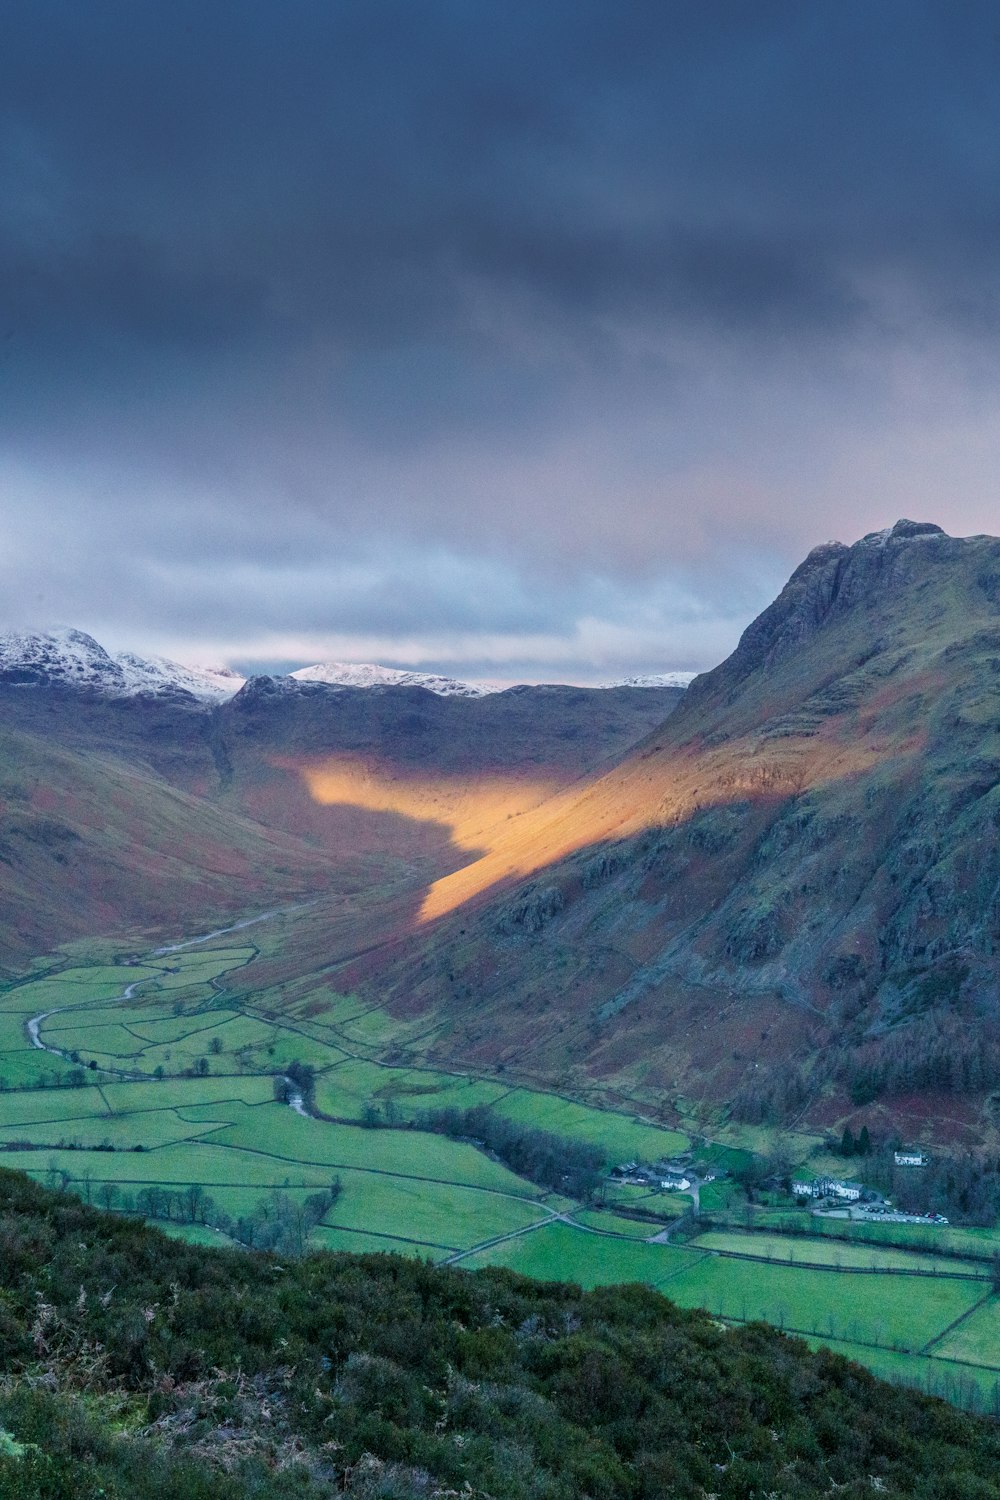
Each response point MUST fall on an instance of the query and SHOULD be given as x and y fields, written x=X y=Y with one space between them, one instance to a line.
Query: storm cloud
x=526 y=339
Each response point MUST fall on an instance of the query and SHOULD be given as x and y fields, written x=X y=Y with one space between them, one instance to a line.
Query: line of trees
x=553 y=1161
x=278 y=1221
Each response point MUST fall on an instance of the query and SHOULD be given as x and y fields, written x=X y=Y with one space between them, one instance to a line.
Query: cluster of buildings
x=832 y=1187
x=667 y=1176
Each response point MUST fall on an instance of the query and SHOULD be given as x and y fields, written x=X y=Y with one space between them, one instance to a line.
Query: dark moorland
x=135 y=1365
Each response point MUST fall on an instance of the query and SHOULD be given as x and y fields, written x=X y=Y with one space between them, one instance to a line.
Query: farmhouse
x=675 y=1182
x=909 y=1159
x=828 y=1187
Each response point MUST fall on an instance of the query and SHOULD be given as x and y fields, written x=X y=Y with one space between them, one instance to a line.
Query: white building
x=909 y=1159
x=675 y=1183
x=829 y=1187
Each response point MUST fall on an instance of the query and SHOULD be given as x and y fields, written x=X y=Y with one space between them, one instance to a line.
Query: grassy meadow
x=151 y=1089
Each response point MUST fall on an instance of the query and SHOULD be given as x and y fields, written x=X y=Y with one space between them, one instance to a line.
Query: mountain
x=654 y=680
x=72 y=659
x=367 y=674
x=785 y=900
x=130 y=799
x=135 y=1365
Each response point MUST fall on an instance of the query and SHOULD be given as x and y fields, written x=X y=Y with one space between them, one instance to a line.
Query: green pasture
x=621 y=1136
x=25 y=1107
x=354 y=1022
x=184 y=1092
x=423 y=1194
x=360 y=1243
x=13 y=1033
x=349 y=1085
x=897 y=1311
x=27 y=1068
x=150 y=1129
x=829 y=1252
x=557 y=1252
x=453 y=1218
x=276 y=1130
x=283 y=1046
x=608 y=1223
x=50 y=994
x=976 y=1339
x=195 y=1234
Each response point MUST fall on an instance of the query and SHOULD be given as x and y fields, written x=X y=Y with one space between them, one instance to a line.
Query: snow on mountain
x=71 y=658
x=153 y=674
x=656 y=680
x=367 y=674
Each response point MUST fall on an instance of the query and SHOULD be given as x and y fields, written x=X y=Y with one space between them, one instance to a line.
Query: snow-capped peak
x=368 y=674
x=71 y=658
x=655 y=680
x=152 y=674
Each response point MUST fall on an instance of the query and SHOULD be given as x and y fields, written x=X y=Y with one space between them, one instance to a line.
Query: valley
x=168 y=1084
x=321 y=964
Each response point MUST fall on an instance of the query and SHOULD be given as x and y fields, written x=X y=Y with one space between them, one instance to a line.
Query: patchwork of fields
x=149 y=1085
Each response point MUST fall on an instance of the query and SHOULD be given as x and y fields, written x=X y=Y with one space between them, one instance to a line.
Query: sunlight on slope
x=475 y=809
x=656 y=789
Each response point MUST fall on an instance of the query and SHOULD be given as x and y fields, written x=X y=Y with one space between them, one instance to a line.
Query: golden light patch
x=472 y=808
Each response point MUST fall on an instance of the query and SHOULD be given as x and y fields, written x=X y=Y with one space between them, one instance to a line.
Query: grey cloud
x=621 y=306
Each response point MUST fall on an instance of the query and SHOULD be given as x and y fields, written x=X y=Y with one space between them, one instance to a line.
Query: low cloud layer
x=525 y=340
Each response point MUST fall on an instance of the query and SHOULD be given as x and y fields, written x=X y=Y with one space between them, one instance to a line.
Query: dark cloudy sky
x=524 y=338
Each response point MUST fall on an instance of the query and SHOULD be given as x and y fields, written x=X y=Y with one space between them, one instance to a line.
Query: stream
x=295 y=1099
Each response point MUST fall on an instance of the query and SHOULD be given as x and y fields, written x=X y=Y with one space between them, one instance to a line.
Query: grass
x=348 y=1086
x=558 y=1252
x=976 y=1339
x=360 y=1243
x=608 y=1223
x=889 y=1310
x=623 y=1137
x=435 y=1213
x=427 y=1195
x=827 y=1252
x=275 y=1129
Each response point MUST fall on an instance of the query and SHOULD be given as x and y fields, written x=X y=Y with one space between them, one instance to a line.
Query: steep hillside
x=124 y=810
x=406 y=770
x=787 y=897
x=138 y=1366
x=91 y=846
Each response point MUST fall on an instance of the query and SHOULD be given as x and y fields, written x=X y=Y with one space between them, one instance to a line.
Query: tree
x=847 y=1146
x=864 y=1145
x=193 y=1202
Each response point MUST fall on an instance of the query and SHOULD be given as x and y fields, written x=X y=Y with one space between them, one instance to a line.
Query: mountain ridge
x=788 y=886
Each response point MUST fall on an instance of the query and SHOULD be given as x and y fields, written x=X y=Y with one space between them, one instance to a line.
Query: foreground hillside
x=785 y=899
x=134 y=1365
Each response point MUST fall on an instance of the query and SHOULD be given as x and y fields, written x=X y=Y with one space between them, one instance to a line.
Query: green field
x=792 y=1248
x=622 y=1137
x=897 y=1311
x=558 y=1252
x=977 y=1339
x=182 y=1095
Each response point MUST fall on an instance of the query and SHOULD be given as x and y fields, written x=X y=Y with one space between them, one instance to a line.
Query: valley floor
x=145 y=1082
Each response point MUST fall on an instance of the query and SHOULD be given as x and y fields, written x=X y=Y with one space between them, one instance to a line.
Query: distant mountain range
x=71 y=658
